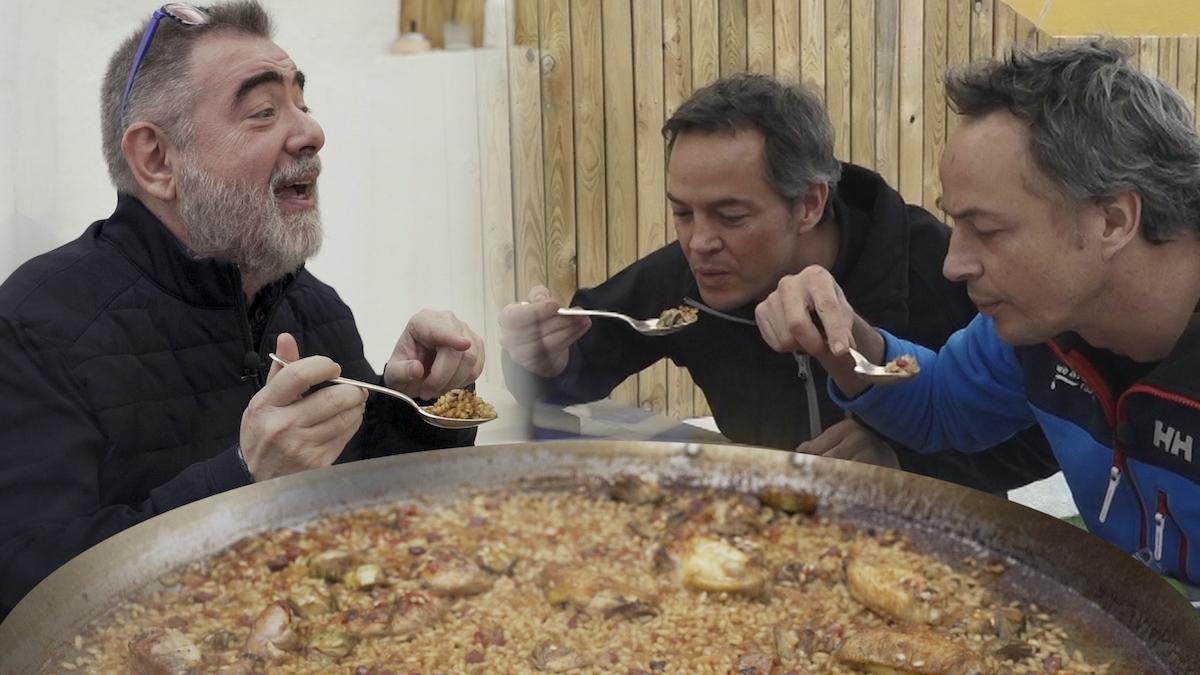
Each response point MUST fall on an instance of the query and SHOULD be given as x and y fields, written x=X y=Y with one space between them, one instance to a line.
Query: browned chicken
x=595 y=594
x=401 y=616
x=896 y=592
x=163 y=652
x=891 y=652
x=447 y=572
x=272 y=634
x=713 y=565
x=330 y=565
x=552 y=657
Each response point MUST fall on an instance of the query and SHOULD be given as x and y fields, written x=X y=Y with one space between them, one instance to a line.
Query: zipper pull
x=802 y=369
x=1114 y=477
x=1160 y=520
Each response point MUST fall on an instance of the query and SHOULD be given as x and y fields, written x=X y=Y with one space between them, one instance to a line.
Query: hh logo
x=1067 y=377
x=1169 y=440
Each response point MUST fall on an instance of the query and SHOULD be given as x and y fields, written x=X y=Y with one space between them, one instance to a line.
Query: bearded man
x=131 y=377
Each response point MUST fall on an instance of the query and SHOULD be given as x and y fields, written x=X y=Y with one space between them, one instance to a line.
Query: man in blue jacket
x=1074 y=184
x=131 y=378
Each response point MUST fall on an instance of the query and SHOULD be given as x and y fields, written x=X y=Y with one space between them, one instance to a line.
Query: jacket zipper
x=1161 y=514
x=1112 y=410
x=804 y=372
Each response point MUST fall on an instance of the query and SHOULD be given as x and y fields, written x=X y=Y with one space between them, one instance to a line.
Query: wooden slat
x=837 y=73
x=558 y=147
x=912 y=119
x=760 y=36
x=862 y=82
x=1148 y=56
x=495 y=196
x=591 y=218
x=812 y=43
x=1188 y=48
x=982 y=12
x=1168 y=60
x=1026 y=36
x=887 y=90
x=1004 y=31
x=677 y=86
x=787 y=40
x=706 y=43
x=732 y=28
x=935 y=102
x=1135 y=47
x=958 y=46
x=619 y=143
x=651 y=186
x=524 y=68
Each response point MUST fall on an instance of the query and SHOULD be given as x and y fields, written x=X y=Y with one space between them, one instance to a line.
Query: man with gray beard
x=132 y=376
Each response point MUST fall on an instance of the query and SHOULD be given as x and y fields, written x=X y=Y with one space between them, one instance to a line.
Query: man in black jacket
x=757 y=196
x=131 y=376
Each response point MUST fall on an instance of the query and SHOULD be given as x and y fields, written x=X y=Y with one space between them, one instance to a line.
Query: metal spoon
x=876 y=374
x=643 y=326
x=428 y=417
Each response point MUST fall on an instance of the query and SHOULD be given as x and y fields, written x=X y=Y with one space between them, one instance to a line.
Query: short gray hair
x=799 y=137
x=163 y=92
x=1098 y=125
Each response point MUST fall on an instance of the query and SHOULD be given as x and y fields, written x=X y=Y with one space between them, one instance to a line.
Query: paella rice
x=628 y=577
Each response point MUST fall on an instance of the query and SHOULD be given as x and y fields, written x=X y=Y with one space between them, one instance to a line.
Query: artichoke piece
x=330 y=565
x=889 y=651
x=310 y=599
x=634 y=490
x=787 y=500
x=328 y=647
x=552 y=657
x=364 y=577
x=711 y=565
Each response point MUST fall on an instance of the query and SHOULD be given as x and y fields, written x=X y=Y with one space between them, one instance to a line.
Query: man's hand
x=850 y=440
x=285 y=431
x=536 y=337
x=809 y=313
x=436 y=353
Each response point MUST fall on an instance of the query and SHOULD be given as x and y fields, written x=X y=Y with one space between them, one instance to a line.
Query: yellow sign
x=1122 y=18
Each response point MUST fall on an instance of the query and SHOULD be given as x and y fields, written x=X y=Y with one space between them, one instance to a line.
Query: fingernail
x=837 y=348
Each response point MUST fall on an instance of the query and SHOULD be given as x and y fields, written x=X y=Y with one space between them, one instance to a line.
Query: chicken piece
x=712 y=565
x=595 y=594
x=889 y=652
x=787 y=500
x=330 y=565
x=163 y=652
x=272 y=634
x=496 y=558
x=634 y=490
x=891 y=590
x=905 y=363
x=402 y=616
x=756 y=663
x=552 y=657
x=330 y=646
x=310 y=598
x=735 y=518
x=447 y=572
x=364 y=577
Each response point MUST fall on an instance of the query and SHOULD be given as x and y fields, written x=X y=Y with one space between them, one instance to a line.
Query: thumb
x=286 y=349
x=539 y=293
x=400 y=374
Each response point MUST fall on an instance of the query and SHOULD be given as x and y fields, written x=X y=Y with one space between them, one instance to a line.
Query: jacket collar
x=872 y=260
x=1177 y=372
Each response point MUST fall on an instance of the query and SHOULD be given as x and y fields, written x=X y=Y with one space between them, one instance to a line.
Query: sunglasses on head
x=181 y=13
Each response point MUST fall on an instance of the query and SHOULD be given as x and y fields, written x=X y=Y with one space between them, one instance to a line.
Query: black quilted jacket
x=125 y=365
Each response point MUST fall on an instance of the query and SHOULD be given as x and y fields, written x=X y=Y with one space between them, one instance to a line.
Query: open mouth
x=297 y=190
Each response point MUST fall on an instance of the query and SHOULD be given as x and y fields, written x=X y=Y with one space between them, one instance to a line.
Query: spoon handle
x=375 y=387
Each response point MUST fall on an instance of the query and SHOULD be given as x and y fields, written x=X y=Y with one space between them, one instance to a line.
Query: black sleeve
x=51 y=449
x=611 y=351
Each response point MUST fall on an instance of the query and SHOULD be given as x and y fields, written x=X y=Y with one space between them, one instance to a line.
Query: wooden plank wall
x=591 y=81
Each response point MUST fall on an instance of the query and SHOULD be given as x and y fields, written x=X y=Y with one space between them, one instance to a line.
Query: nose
x=705 y=239
x=960 y=264
x=307 y=136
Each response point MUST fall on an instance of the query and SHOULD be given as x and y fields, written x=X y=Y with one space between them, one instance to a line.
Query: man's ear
x=810 y=207
x=151 y=157
x=1122 y=222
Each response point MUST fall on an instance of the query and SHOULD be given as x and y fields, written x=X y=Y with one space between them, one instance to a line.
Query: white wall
x=399 y=194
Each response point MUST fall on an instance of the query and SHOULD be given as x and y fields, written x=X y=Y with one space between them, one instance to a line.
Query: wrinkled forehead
x=222 y=60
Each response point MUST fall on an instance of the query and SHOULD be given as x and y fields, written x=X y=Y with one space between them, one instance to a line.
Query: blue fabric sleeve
x=970 y=396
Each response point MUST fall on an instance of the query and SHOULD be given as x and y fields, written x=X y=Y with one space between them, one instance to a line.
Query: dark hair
x=1098 y=126
x=164 y=93
x=799 y=137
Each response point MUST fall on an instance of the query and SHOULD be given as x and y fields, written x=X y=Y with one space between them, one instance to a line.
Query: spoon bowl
x=874 y=374
x=426 y=416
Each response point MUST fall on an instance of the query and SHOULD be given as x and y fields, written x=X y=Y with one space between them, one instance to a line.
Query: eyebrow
x=266 y=77
x=727 y=201
x=966 y=213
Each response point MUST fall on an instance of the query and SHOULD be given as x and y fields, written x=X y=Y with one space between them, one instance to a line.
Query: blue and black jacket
x=1129 y=457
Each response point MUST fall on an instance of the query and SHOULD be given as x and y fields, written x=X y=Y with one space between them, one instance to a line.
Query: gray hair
x=799 y=137
x=1098 y=125
x=163 y=92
